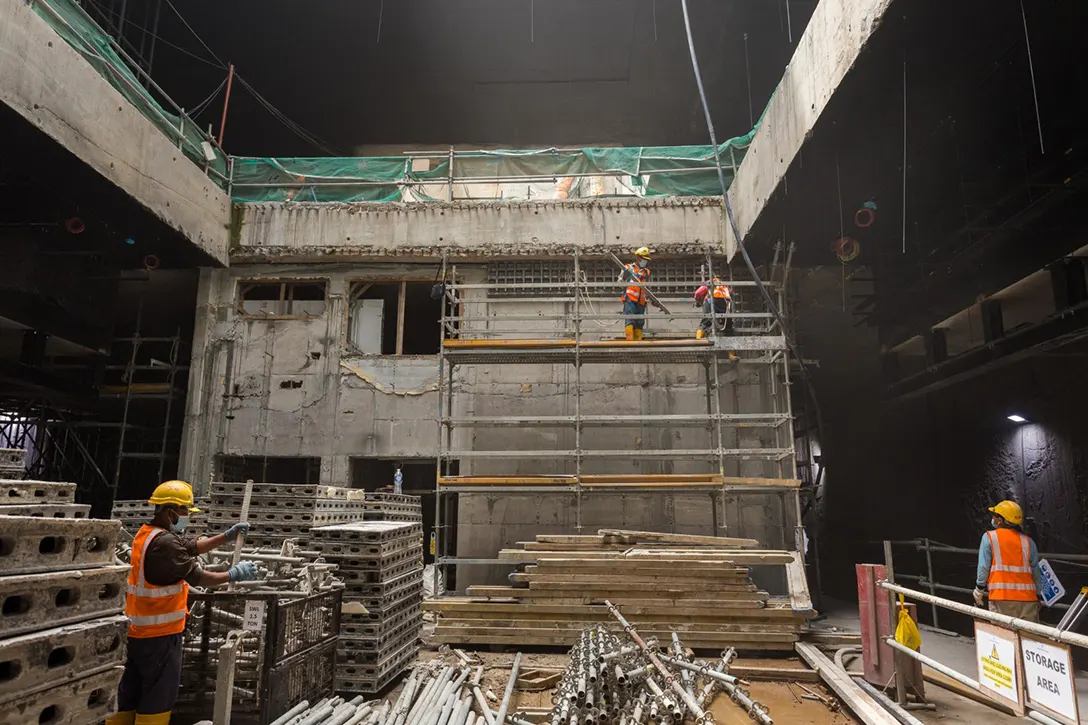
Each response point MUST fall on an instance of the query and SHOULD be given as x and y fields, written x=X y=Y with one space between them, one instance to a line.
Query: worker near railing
x=164 y=564
x=716 y=298
x=634 y=297
x=1008 y=566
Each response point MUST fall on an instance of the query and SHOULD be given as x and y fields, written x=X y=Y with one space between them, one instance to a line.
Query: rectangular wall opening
x=376 y=474
x=270 y=469
x=393 y=318
x=282 y=298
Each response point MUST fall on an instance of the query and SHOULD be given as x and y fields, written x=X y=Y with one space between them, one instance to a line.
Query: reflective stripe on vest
x=634 y=293
x=721 y=292
x=153 y=611
x=1010 y=578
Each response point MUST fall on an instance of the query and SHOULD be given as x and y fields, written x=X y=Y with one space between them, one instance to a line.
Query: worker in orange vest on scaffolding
x=634 y=297
x=716 y=298
x=1008 y=566
x=164 y=564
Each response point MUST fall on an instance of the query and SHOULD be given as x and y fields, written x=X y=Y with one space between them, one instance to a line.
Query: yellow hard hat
x=1010 y=511
x=643 y=252
x=177 y=493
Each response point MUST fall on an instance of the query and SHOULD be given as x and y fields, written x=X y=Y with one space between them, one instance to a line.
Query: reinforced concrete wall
x=305 y=232
x=49 y=84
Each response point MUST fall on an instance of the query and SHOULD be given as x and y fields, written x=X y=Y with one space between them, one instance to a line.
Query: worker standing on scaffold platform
x=634 y=297
x=1008 y=566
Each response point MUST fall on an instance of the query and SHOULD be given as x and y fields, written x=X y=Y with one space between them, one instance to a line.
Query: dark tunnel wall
x=930 y=466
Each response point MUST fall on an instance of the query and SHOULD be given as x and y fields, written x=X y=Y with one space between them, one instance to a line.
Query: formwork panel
x=48 y=510
x=33 y=602
x=14 y=491
x=84 y=701
x=42 y=659
x=37 y=544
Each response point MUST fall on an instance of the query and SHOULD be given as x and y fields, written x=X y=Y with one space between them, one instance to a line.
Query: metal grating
x=671 y=278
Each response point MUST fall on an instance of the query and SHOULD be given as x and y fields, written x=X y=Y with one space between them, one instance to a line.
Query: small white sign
x=1053 y=590
x=999 y=663
x=1049 y=679
x=254 y=617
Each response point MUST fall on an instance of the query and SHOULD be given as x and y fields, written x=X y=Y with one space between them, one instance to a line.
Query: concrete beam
x=831 y=43
x=301 y=232
x=48 y=83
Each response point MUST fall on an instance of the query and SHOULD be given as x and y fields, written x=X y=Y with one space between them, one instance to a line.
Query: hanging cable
x=199 y=108
x=736 y=230
x=102 y=8
x=311 y=138
x=199 y=39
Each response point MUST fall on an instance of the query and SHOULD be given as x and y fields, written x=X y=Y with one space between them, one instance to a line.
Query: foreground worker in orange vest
x=164 y=564
x=1008 y=566
x=634 y=297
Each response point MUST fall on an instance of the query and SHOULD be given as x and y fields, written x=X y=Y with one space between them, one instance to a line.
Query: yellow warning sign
x=999 y=663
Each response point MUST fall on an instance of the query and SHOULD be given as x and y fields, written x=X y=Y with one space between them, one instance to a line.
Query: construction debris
x=700 y=589
x=62 y=634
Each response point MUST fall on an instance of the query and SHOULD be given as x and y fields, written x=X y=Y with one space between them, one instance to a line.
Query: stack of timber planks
x=696 y=586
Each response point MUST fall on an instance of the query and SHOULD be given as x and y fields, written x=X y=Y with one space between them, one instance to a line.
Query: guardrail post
x=932 y=589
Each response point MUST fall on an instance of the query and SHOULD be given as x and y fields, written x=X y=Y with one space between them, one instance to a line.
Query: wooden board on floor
x=797 y=584
x=768 y=673
x=688 y=539
x=465 y=606
x=860 y=703
x=526 y=639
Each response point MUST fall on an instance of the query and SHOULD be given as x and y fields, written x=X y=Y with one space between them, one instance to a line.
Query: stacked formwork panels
x=391 y=507
x=278 y=512
x=63 y=631
x=43 y=499
x=12 y=462
x=382 y=567
x=134 y=513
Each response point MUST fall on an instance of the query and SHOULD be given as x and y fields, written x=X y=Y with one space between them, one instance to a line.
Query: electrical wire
x=199 y=108
x=199 y=39
x=736 y=230
x=164 y=41
x=311 y=138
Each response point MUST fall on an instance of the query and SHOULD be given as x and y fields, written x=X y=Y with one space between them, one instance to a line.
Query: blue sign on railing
x=1053 y=590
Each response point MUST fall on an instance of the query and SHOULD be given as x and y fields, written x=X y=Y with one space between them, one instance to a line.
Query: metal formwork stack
x=62 y=630
x=43 y=499
x=12 y=462
x=279 y=511
x=391 y=507
x=381 y=563
x=134 y=513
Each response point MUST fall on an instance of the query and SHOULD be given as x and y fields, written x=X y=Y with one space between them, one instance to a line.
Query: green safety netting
x=73 y=24
x=652 y=171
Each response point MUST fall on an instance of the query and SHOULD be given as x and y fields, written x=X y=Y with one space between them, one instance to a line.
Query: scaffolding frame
x=468 y=339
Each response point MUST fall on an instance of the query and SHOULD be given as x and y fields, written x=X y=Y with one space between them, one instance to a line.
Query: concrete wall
x=301 y=232
x=834 y=38
x=50 y=85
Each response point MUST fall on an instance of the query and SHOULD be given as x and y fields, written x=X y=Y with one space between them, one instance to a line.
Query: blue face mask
x=643 y=263
x=180 y=525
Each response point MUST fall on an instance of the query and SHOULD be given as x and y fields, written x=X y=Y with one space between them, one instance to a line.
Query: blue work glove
x=243 y=571
x=237 y=530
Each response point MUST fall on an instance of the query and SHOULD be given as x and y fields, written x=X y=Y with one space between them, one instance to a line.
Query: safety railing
x=115 y=64
x=929 y=548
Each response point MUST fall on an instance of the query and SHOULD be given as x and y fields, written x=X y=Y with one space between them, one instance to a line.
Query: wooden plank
x=690 y=539
x=569 y=343
x=797 y=583
x=742 y=628
x=536 y=680
x=833 y=639
x=653 y=478
x=569 y=639
x=655 y=588
x=464 y=606
x=660 y=556
x=766 y=673
x=506 y=480
x=959 y=688
x=860 y=703
x=588 y=566
x=401 y=297
x=558 y=577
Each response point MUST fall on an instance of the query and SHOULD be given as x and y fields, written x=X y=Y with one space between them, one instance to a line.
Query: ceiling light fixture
x=1018 y=418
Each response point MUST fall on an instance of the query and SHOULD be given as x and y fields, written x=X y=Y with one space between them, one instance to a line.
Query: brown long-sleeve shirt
x=171 y=558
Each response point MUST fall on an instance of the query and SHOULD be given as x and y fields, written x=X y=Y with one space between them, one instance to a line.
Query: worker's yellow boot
x=700 y=334
x=122 y=718
x=638 y=333
x=732 y=356
x=159 y=718
x=629 y=332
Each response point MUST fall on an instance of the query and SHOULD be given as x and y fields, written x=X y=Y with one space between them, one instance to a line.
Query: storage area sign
x=1049 y=679
x=998 y=655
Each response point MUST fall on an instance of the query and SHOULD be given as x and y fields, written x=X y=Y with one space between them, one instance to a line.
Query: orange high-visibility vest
x=1010 y=572
x=633 y=293
x=152 y=611
x=721 y=291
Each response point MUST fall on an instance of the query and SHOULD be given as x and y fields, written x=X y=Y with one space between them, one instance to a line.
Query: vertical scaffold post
x=577 y=390
x=443 y=428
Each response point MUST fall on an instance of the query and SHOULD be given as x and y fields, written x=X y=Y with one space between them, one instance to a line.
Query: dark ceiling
x=987 y=201
x=462 y=72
